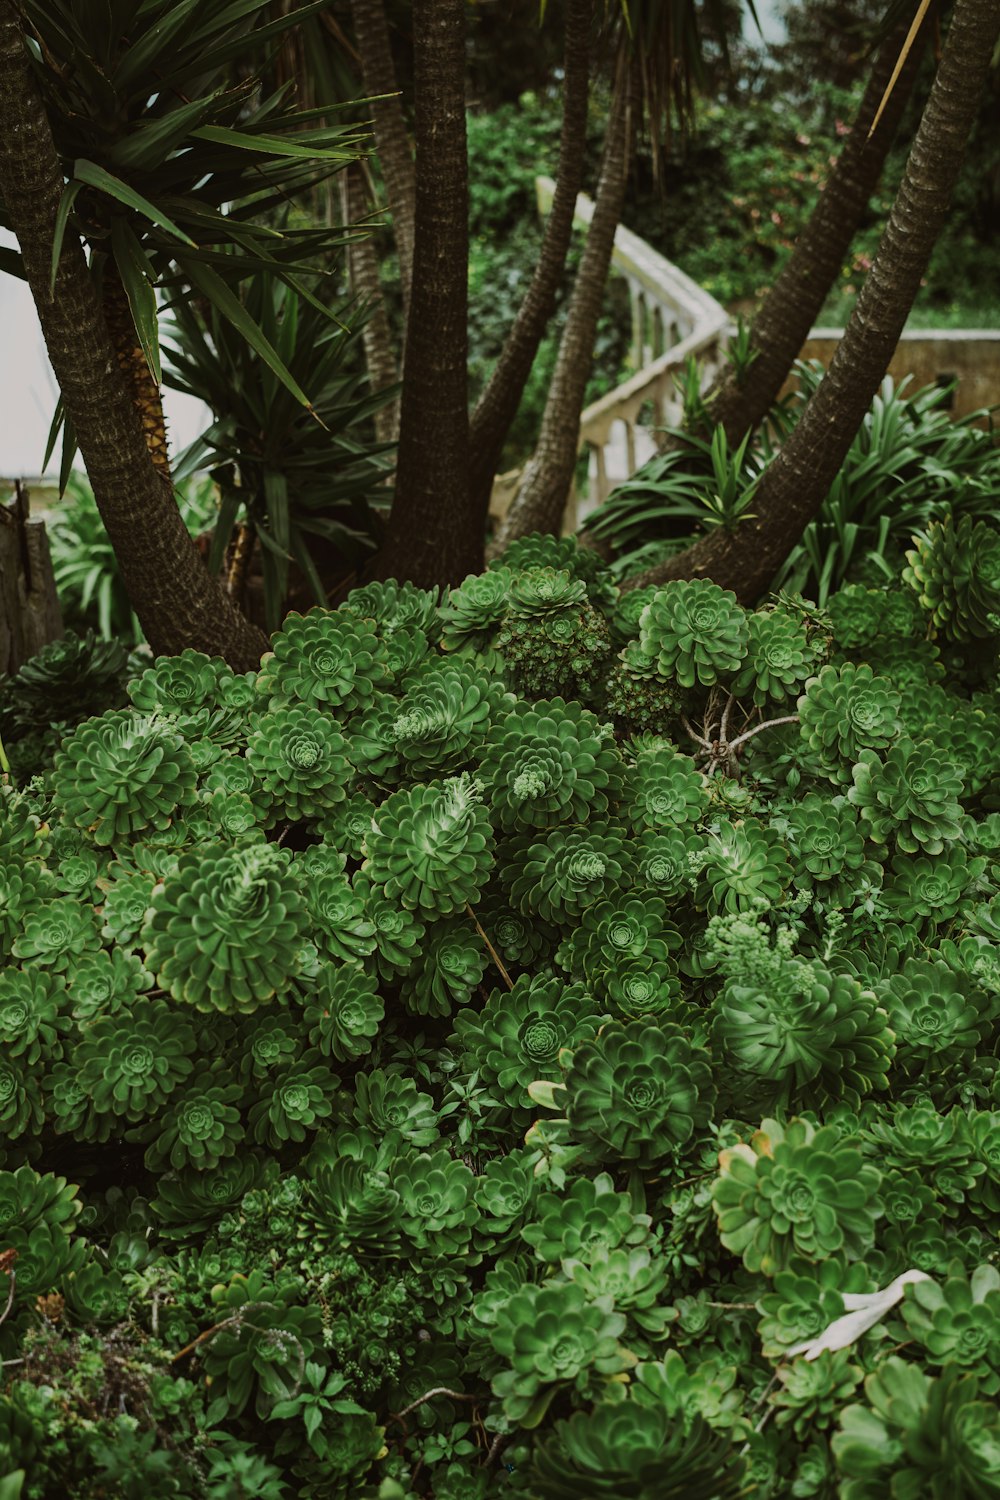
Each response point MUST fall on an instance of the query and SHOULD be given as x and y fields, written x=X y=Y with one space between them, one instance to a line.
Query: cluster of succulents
x=490 y=1050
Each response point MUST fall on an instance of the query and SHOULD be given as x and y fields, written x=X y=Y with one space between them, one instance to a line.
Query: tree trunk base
x=30 y=616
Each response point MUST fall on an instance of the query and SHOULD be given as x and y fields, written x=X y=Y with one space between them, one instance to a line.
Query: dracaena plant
x=172 y=153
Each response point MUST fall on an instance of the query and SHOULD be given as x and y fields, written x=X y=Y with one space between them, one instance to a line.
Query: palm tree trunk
x=796 y=482
x=541 y=498
x=497 y=406
x=362 y=266
x=139 y=379
x=794 y=302
x=177 y=602
x=392 y=142
x=434 y=537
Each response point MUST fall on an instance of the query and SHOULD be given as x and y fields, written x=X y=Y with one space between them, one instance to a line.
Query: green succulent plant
x=325 y=659
x=635 y=1452
x=552 y=640
x=589 y=1219
x=549 y=763
x=957 y=1320
x=782 y=655
x=745 y=866
x=431 y=846
x=911 y=794
x=471 y=613
x=437 y=1205
x=637 y=697
x=451 y=964
x=543 y=550
x=825 y=1039
x=572 y=868
x=517 y=1037
x=387 y=1102
x=294 y=1103
x=665 y=790
x=299 y=759
x=444 y=718
x=846 y=710
x=121 y=774
x=827 y=840
x=243 y=947
x=201 y=1125
x=954 y=569
x=262 y=1343
x=919 y=1435
x=695 y=632
x=33 y=1020
x=345 y=1012
x=931 y=886
x=639 y=1092
x=552 y=1335
x=54 y=933
x=937 y=1017
x=806 y=1298
x=795 y=1190
x=131 y=1063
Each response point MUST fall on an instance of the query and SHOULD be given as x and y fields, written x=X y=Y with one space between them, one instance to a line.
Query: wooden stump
x=30 y=616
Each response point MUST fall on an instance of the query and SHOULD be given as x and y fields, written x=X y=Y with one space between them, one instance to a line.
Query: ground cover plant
x=535 y=1042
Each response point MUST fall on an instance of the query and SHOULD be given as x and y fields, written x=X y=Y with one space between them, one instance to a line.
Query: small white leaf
x=865 y=1309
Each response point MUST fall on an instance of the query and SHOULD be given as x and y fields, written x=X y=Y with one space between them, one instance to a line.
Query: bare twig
x=438 y=1390
x=492 y=951
x=767 y=724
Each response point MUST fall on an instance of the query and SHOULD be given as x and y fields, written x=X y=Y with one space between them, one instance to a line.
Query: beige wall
x=973 y=356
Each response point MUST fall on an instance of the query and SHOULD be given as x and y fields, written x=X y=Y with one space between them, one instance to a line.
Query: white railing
x=672 y=318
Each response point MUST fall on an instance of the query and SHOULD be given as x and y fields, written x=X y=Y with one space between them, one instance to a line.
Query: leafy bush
x=910 y=465
x=87 y=575
x=450 y=1062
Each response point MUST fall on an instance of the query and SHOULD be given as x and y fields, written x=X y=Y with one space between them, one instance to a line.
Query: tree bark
x=362 y=266
x=177 y=602
x=498 y=404
x=541 y=499
x=434 y=537
x=798 y=479
x=392 y=142
x=793 y=304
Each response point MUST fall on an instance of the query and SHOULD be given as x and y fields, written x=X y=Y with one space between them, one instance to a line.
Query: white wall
x=28 y=389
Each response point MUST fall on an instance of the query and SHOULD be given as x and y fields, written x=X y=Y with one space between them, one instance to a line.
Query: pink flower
x=841 y=128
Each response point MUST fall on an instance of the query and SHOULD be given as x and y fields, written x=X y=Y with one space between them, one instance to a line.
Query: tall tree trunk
x=362 y=266
x=799 y=477
x=498 y=404
x=434 y=537
x=793 y=304
x=392 y=142
x=177 y=602
x=139 y=379
x=541 y=498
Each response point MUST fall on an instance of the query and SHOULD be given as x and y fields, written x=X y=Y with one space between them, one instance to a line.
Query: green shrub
x=427 y=1075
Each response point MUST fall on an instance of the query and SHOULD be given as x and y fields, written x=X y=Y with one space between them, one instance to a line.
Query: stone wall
x=931 y=355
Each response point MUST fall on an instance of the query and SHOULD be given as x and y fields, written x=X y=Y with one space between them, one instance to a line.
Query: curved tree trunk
x=177 y=602
x=434 y=537
x=497 y=406
x=362 y=265
x=799 y=477
x=792 y=305
x=392 y=142
x=541 y=498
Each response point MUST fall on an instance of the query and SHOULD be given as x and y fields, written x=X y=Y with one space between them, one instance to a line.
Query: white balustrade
x=672 y=319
